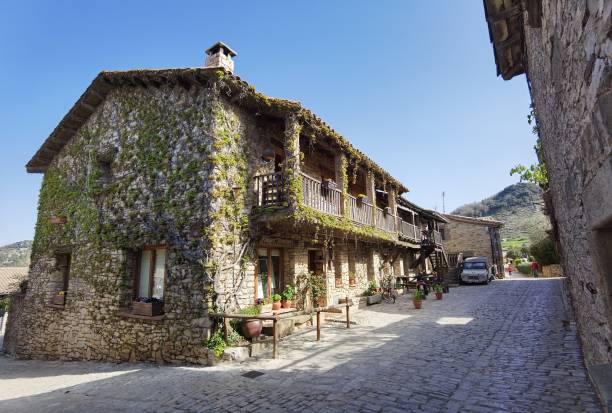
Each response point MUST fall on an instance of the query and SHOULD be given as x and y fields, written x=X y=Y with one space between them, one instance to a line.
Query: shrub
x=544 y=251
x=251 y=310
x=276 y=298
x=216 y=343
x=372 y=289
x=517 y=262
x=524 y=268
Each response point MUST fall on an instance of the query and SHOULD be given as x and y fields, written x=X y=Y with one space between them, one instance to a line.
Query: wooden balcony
x=360 y=211
x=410 y=231
x=384 y=220
x=321 y=197
x=269 y=190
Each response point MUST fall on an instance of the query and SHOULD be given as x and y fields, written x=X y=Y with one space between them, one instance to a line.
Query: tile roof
x=10 y=277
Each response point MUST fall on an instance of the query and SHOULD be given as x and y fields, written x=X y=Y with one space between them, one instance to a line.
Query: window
x=151 y=273
x=269 y=272
x=63 y=267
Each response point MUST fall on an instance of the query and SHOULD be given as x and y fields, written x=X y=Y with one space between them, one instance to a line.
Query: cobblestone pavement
x=502 y=347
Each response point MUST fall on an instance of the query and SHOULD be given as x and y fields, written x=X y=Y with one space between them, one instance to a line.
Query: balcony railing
x=359 y=211
x=269 y=189
x=410 y=231
x=437 y=237
x=385 y=221
x=321 y=197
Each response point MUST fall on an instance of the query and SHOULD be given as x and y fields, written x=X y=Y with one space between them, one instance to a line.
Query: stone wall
x=460 y=236
x=145 y=169
x=13 y=323
x=570 y=73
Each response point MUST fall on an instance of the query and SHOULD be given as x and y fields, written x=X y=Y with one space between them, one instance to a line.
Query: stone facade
x=476 y=237
x=195 y=167
x=568 y=62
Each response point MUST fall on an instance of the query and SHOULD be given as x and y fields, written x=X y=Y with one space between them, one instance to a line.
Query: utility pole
x=443 y=209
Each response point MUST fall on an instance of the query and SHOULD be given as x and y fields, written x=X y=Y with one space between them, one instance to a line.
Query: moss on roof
x=236 y=90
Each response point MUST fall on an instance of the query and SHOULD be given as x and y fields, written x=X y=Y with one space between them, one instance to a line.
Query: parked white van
x=475 y=270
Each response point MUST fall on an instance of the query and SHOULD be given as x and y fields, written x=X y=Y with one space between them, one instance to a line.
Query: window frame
x=281 y=270
x=153 y=249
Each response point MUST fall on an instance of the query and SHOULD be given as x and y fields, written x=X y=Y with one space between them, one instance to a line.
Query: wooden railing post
x=348 y=317
x=275 y=339
x=318 y=325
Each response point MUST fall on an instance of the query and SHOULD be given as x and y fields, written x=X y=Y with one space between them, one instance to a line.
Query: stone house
x=564 y=48
x=474 y=237
x=190 y=187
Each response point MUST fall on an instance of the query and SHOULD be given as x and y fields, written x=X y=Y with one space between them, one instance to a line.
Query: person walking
x=510 y=268
x=535 y=267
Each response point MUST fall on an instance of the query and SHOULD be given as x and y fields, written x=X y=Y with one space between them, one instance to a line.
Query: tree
x=536 y=173
x=544 y=251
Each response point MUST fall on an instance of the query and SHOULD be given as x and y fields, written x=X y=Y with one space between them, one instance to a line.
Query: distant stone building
x=189 y=189
x=474 y=237
x=565 y=50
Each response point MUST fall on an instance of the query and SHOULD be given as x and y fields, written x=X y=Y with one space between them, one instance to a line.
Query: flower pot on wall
x=286 y=303
x=266 y=308
x=276 y=305
x=147 y=309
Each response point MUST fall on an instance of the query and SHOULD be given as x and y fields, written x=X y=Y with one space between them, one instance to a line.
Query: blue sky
x=410 y=83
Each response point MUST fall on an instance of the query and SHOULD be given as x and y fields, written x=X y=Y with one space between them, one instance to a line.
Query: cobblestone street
x=502 y=347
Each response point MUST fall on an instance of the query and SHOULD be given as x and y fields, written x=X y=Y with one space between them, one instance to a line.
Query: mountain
x=519 y=206
x=16 y=254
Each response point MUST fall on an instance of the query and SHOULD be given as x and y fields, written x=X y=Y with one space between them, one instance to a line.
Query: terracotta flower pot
x=286 y=303
x=276 y=305
x=439 y=296
x=251 y=328
x=417 y=304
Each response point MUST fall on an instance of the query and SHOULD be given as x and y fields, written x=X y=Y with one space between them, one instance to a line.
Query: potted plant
x=362 y=199
x=352 y=279
x=276 y=304
x=372 y=295
x=338 y=281
x=251 y=327
x=59 y=298
x=148 y=306
x=439 y=290
x=316 y=284
x=265 y=305
x=417 y=299
x=287 y=296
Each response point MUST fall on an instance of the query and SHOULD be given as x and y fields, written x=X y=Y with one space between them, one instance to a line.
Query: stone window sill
x=127 y=313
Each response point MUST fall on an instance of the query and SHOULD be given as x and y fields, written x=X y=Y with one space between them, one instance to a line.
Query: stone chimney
x=220 y=55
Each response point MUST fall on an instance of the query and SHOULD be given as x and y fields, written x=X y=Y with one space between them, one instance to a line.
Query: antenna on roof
x=443 y=209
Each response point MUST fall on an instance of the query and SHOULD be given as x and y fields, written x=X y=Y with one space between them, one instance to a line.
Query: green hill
x=16 y=254
x=519 y=206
